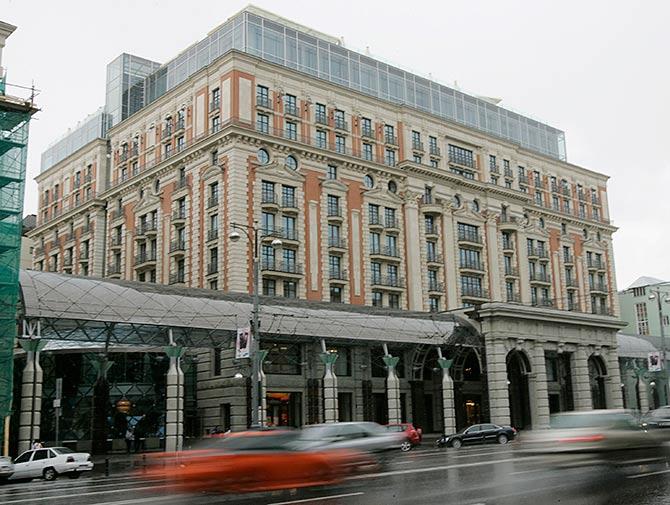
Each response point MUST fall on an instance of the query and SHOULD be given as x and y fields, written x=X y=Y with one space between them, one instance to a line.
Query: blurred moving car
x=478 y=434
x=413 y=436
x=264 y=460
x=6 y=468
x=367 y=437
x=48 y=463
x=655 y=419
x=596 y=436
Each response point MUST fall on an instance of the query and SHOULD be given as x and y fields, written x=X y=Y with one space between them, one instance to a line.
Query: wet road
x=479 y=475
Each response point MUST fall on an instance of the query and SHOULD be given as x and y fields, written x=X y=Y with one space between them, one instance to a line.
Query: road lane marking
x=46 y=487
x=121 y=490
x=146 y=500
x=320 y=498
x=648 y=474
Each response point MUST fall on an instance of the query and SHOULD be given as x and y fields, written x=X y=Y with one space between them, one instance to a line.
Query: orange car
x=253 y=461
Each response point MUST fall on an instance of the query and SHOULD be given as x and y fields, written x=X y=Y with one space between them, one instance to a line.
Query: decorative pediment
x=335 y=185
x=383 y=194
x=212 y=171
x=533 y=227
x=465 y=211
x=280 y=170
x=148 y=201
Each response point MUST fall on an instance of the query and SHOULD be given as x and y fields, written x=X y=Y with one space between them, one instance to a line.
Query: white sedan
x=51 y=462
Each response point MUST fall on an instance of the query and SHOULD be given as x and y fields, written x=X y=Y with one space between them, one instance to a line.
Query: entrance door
x=429 y=412
x=597 y=382
x=380 y=408
x=519 y=400
x=284 y=409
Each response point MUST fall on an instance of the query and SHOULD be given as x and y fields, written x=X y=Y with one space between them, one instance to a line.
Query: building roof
x=89 y=309
x=633 y=347
x=645 y=281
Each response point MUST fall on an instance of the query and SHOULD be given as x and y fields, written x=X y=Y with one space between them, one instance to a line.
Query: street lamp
x=251 y=231
x=656 y=294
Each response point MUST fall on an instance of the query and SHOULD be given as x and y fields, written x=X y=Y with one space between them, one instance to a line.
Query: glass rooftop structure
x=280 y=41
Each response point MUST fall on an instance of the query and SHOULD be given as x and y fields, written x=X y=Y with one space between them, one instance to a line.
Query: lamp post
x=251 y=231
x=656 y=294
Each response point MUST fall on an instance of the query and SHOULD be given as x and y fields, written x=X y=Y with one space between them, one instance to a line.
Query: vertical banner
x=654 y=361
x=243 y=342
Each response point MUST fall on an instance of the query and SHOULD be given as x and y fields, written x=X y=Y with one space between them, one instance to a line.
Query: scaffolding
x=14 y=120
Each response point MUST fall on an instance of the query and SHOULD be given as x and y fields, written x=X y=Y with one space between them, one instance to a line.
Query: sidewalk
x=120 y=463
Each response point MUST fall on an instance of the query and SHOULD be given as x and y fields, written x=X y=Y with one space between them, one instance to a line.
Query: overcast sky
x=599 y=70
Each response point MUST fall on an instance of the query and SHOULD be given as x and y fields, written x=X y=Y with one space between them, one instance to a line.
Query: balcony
x=182 y=182
x=269 y=199
x=337 y=243
x=338 y=275
x=83 y=256
x=291 y=109
x=387 y=281
x=386 y=251
x=179 y=216
x=595 y=200
x=340 y=124
x=178 y=247
x=523 y=179
x=391 y=223
x=367 y=133
x=334 y=212
x=511 y=271
x=290 y=268
x=571 y=283
x=115 y=242
x=374 y=221
x=114 y=270
x=471 y=265
x=116 y=214
x=471 y=237
x=595 y=264
x=513 y=297
x=434 y=151
x=147 y=228
x=474 y=292
x=38 y=251
x=212 y=268
x=321 y=118
x=494 y=169
x=464 y=161
x=213 y=201
x=432 y=229
x=543 y=302
x=289 y=203
x=508 y=223
x=263 y=101
x=508 y=173
x=434 y=258
x=214 y=105
x=67 y=263
x=391 y=140
x=435 y=286
x=508 y=245
x=565 y=191
x=540 y=277
x=417 y=145
x=279 y=232
x=177 y=278
x=166 y=134
x=123 y=156
x=146 y=258
x=601 y=311
x=86 y=228
x=598 y=287
x=430 y=205
x=134 y=151
x=568 y=259
x=212 y=235
x=88 y=178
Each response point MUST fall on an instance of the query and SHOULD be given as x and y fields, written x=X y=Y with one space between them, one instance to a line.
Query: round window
x=541 y=222
x=475 y=205
x=263 y=157
x=157 y=185
x=393 y=187
x=291 y=162
x=457 y=201
x=369 y=182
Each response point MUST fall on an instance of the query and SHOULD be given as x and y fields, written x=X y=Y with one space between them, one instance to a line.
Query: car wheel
x=49 y=474
x=456 y=443
x=406 y=446
x=502 y=439
x=74 y=475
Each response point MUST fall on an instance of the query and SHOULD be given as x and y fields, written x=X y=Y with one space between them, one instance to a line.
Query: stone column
x=448 y=416
x=537 y=385
x=262 y=394
x=450 y=258
x=613 y=392
x=524 y=273
x=497 y=379
x=392 y=389
x=415 y=276
x=581 y=387
x=174 y=415
x=330 y=406
x=31 y=393
x=494 y=258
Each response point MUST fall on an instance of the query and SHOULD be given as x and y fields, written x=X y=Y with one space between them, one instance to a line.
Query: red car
x=414 y=435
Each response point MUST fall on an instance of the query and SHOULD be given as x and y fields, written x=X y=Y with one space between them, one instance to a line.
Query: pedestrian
x=130 y=438
x=37 y=444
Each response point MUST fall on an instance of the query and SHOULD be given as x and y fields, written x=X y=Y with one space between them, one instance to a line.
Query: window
x=641 y=318
x=431 y=249
x=291 y=162
x=290 y=233
x=389 y=218
x=282 y=358
x=538 y=198
x=267 y=192
x=263 y=123
x=339 y=119
x=290 y=105
x=269 y=287
x=640 y=291
x=340 y=144
x=470 y=258
x=367 y=151
x=336 y=297
x=288 y=197
x=471 y=286
x=555 y=203
x=492 y=163
x=416 y=140
x=389 y=134
x=290 y=288
x=377 y=298
x=434 y=163
x=461 y=156
x=582 y=210
x=267 y=223
x=263 y=157
x=335 y=266
x=320 y=114
x=375 y=272
x=181 y=143
x=394 y=301
x=375 y=245
x=216 y=99
x=24 y=458
x=333 y=204
x=389 y=157
x=321 y=139
x=291 y=130
x=417 y=159
x=332 y=172
x=433 y=304
x=373 y=212
x=366 y=127
x=263 y=96
x=268 y=256
x=432 y=145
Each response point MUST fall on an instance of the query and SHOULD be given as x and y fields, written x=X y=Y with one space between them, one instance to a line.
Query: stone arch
x=518 y=369
x=597 y=375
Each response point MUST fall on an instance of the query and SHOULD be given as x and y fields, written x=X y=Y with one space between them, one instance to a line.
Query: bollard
x=106 y=467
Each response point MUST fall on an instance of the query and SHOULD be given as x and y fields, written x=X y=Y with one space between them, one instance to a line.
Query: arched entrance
x=597 y=374
x=518 y=368
x=469 y=390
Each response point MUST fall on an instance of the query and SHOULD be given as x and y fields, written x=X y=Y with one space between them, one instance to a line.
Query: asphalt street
x=477 y=475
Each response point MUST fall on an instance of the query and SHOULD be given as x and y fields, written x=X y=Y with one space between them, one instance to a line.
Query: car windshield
x=62 y=450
